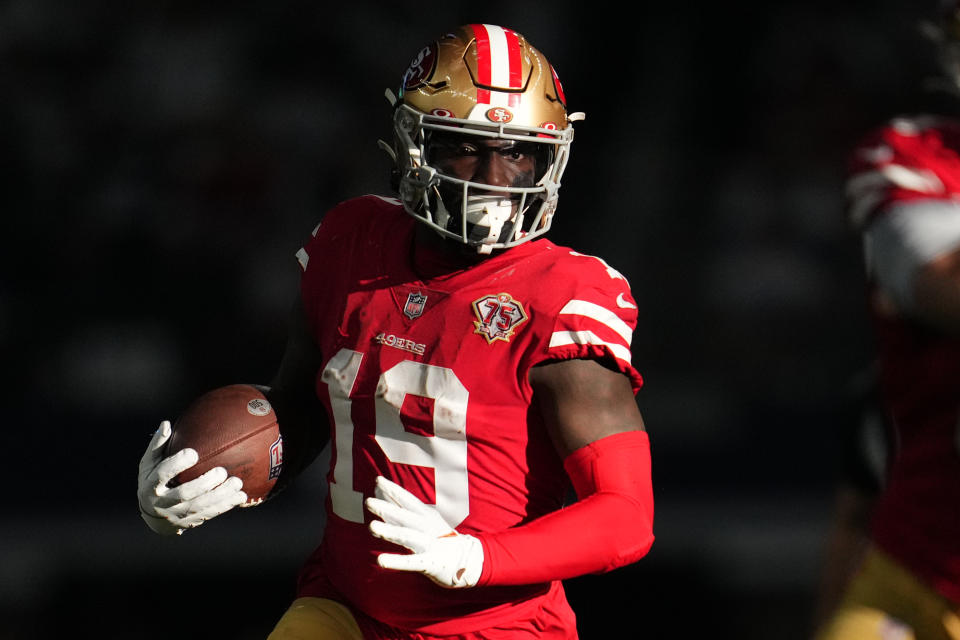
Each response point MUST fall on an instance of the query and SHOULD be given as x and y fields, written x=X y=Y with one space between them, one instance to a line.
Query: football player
x=466 y=370
x=904 y=197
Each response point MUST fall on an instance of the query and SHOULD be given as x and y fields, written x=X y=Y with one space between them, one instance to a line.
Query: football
x=236 y=428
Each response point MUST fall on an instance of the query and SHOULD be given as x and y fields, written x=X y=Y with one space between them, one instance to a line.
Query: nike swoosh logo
x=623 y=304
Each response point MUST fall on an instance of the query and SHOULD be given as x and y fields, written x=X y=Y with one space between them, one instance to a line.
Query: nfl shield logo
x=276 y=458
x=415 y=304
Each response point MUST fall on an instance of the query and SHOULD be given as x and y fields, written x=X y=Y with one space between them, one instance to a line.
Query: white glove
x=448 y=558
x=169 y=510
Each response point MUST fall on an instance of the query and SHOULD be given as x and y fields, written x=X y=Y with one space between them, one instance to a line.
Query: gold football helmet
x=480 y=83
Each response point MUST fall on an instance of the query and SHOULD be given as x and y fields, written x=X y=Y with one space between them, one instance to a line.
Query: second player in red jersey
x=906 y=179
x=903 y=194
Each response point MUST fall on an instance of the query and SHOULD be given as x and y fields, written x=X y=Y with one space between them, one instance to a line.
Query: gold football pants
x=884 y=601
x=316 y=619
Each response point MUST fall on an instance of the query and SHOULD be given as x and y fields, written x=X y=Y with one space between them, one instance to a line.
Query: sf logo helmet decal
x=499 y=114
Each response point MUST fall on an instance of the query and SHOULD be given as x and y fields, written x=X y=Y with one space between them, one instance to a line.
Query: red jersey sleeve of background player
x=596 y=319
x=907 y=159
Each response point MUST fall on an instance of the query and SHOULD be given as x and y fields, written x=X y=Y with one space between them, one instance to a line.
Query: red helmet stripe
x=484 y=71
x=556 y=83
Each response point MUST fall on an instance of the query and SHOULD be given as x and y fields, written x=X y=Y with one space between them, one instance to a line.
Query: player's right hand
x=170 y=510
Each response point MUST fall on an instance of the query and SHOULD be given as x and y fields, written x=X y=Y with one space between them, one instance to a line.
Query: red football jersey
x=917 y=519
x=426 y=383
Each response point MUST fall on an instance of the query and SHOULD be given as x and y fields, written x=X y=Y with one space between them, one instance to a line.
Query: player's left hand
x=448 y=558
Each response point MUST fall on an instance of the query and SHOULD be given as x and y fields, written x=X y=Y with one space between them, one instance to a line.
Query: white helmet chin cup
x=490 y=212
x=486 y=217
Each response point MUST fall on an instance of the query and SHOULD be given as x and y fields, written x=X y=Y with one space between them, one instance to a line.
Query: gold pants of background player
x=884 y=601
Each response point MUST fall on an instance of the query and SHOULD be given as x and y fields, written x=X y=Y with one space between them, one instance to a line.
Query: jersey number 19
x=445 y=451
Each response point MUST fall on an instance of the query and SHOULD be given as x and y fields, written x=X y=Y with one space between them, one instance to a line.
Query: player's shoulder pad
x=355 y=213
x=584 y=277
x=595 y=314
x=586 y=270
x=896 y=161
x=347 y=218
x=901 y=133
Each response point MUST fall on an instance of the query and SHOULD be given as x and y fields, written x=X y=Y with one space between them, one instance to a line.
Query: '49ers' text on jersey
x=426 y=383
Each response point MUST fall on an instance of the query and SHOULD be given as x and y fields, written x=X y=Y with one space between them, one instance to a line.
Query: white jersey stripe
x=922 y=180
x=564 y=338
x=601 y=315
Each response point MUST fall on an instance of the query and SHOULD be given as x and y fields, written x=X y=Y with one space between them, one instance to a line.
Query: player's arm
x=936 y=292
x=591 y=414
x=292 y=392
x=582 y=401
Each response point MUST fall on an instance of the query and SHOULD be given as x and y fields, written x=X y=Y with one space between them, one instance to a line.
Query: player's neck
x=433 y=256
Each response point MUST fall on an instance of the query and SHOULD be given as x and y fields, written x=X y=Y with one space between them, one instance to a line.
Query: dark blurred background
x=162 y=162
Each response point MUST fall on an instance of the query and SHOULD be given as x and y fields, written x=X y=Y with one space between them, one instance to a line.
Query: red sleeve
x=610 y=526
x=597 y=319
